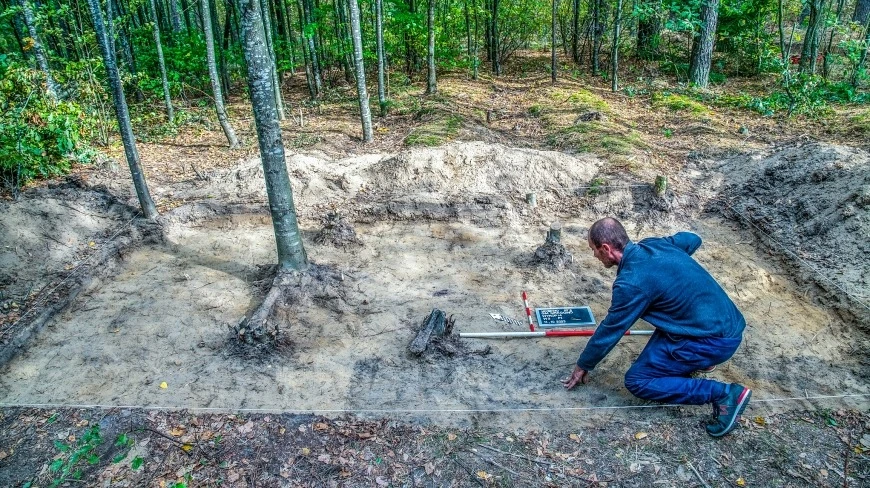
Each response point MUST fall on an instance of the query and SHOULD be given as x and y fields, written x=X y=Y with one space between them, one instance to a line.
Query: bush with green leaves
x=39 y=138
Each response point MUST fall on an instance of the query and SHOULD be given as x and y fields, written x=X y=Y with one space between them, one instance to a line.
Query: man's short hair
x=608 y=231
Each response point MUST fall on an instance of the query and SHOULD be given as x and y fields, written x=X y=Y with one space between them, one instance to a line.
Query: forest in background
x=177 y=57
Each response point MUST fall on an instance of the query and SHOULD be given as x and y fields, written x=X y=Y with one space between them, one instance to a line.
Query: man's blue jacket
x=658 y=281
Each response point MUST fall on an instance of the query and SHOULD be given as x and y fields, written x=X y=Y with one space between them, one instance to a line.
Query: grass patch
x=597 y=137
x=586 y=101
x=439 y=130
x=860 y=122
x=677 y=103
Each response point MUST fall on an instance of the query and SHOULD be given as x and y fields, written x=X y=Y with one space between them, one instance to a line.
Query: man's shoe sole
x=742 y=401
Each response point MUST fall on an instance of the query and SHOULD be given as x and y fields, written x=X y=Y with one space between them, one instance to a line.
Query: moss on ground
x=440 y=129
x=677 y=103
x=597 y=137
x=860 y=122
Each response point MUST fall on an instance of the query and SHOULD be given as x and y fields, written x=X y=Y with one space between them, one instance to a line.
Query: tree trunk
x=270 y=47
x=356 y=35
x=291 y=253
x=38 y=50
x=702 y=53
x=496 y=51
x=431 y=86
x=597 y=33
x=862 y=11
x=467 y=30
x=649 y=28
x=614 y=49
x=309 y=73
x=186 y=9
x=312 y=49
x=155 y=29
x=475 y=58
x=826 y=64
x=779 y=22
x=575 y=31
x=174 y=16
x=379 y=33
x=213 y=75
x=812 y=37
x=859 y=66
x=149 y=210
x=553 y=42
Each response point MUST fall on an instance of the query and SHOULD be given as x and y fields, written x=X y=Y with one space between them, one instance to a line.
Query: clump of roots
x=336 y=231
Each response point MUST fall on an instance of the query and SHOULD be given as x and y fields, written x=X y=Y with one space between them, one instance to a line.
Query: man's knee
x=635 y=383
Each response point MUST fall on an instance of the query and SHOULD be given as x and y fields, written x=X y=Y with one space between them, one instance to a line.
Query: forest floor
x=118 y=364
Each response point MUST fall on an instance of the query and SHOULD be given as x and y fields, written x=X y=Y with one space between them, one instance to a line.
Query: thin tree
x=826 y=64
x=149 y=210
x=553 y=43
x=702 y=50
x=356 y=36
x=174 y=16
x=496 y=48
x=812 y=37
x=431 y=86
x=270 y=46
x=291 y=253
x=859 y=66
x=379 y=33
x=597 y=34
x=649 y=27
x=38 y=50
x=862 y=11
x=614 y=49
x=155 y=29
x=475 y=61
x=312 y=49
x=213 y=75
x=575 y=31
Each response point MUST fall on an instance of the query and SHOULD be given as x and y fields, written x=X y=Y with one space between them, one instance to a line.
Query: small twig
x=545 y=463
x=846 y=462
x=467 y=470
x=495 y=463
x=698 y=475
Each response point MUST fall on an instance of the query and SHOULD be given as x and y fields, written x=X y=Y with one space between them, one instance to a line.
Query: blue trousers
x=661 y=372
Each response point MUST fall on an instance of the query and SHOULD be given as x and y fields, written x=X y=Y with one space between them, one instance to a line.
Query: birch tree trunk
x=597 y=32
x=702 y=53
x=291 y=253
x=174 y=16
x=431 y=86
x=496 y=49
x=379 y=32
x=213 y=76
x=270 y=47
x=553 y=43
x=614 y=49
x=575 y=31
x=862 y=11
x=149 y=210
x=38 y=50
x=356 y=37
x=155 y=29
x=312 y=49
x=813 y=37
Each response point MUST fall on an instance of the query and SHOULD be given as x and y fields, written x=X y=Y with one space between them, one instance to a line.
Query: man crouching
x=697 y=324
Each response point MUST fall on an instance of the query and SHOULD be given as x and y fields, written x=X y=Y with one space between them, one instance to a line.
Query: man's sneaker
x=726 y=411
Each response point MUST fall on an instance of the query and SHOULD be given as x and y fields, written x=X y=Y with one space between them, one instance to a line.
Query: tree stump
x=434 y=324
x=661 y=186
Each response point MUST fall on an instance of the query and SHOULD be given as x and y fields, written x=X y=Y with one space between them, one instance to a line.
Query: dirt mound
x=811 y=201
x=453 y=173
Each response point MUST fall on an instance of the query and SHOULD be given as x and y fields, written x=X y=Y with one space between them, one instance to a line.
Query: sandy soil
x=443 y=228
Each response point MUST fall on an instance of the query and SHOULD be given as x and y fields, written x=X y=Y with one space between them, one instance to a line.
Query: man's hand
x=579 y=375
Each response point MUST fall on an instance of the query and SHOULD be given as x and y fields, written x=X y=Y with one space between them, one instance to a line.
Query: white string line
x=44 y=296
x=407 y=410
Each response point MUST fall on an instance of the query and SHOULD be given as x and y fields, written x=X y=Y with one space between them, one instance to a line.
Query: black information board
x=564 y=317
